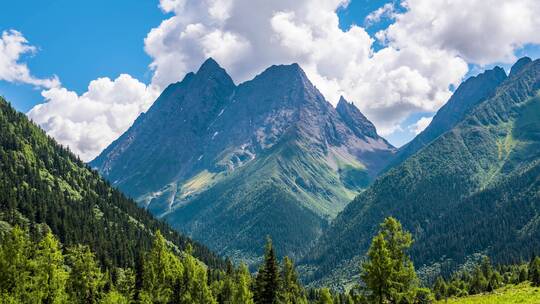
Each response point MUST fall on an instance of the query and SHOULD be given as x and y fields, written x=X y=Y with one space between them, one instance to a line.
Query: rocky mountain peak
x=211 y=72
x=355 y=120
x=283 y=75
x=273 y=143
x=519 y=65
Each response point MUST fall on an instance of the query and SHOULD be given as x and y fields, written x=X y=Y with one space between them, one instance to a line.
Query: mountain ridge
x=453 y=190
x=467 y=96
x=275 y=133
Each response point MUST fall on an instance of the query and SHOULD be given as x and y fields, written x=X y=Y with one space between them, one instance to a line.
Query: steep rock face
x=519 y=65
x=474 y=189
x=231 y=164
x=466 y=97
x=355 y=120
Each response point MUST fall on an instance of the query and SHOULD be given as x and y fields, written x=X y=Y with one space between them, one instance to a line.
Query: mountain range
x=471 y=185
x=230 y=164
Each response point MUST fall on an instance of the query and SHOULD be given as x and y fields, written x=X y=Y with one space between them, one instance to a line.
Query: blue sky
x=80 y=41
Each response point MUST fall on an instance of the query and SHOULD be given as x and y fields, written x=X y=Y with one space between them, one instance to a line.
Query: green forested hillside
x=475 y=189
x=42 y=182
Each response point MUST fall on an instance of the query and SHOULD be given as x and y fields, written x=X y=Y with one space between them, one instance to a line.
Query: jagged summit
x=231 y=164
x=352 y=116
x=282 y=74
x=519 y=65
x=209 y=63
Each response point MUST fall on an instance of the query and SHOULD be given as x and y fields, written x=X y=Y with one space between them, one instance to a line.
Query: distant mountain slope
x=231 y=164
x=474 y=189
x=42 y=182
x=466 y=97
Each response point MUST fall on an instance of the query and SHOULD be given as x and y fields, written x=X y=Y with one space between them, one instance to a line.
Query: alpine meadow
x=270 y=152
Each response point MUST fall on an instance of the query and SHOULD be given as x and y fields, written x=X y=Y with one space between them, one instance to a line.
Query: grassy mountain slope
x=292 y=196
x=474 y=189
x=42 y=182
x=511 y=294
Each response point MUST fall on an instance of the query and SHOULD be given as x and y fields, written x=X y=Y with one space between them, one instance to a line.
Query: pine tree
x=389 y=273
x=440 y=288
x=125 y=283
x=534 y=271
x=195 y=288
x=161 y=270
x=267 y=280
x=85 y=280
x=377 y=271
x=16 y=266
x=523 y=275
x=404 y=278
x=291 y=290
x=325 y=297
x=227 y=288
x=50 y=276
x=495 y=281
x=114 y=297
x=479 y=282
x=243 y=292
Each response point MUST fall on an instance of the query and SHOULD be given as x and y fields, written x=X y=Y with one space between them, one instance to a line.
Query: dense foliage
x=36 y=268
x=42 y=182
x=484 y=278
x=39 y=270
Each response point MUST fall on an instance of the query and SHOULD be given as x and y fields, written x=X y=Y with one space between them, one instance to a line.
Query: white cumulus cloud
x=12 y=46
x=386 y=11
x=249 y=35
x=425 y=51
x=479 y=31
x=91 y=121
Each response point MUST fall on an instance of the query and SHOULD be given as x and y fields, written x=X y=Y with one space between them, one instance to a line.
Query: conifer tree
x=267 y=280
x=534 y=271
x=242 y=292
x=114 y=297
x=15 y=265
x=440 y=288
x=377 y=271
x=389 y=273
x=51 y=275
x=194 y=283
x=479 y=282
x=291 y=290
x=85 y=280
x=161 y=270
x=523 y=275
x=225 y=288
x=325 y=297
x=125 y=283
